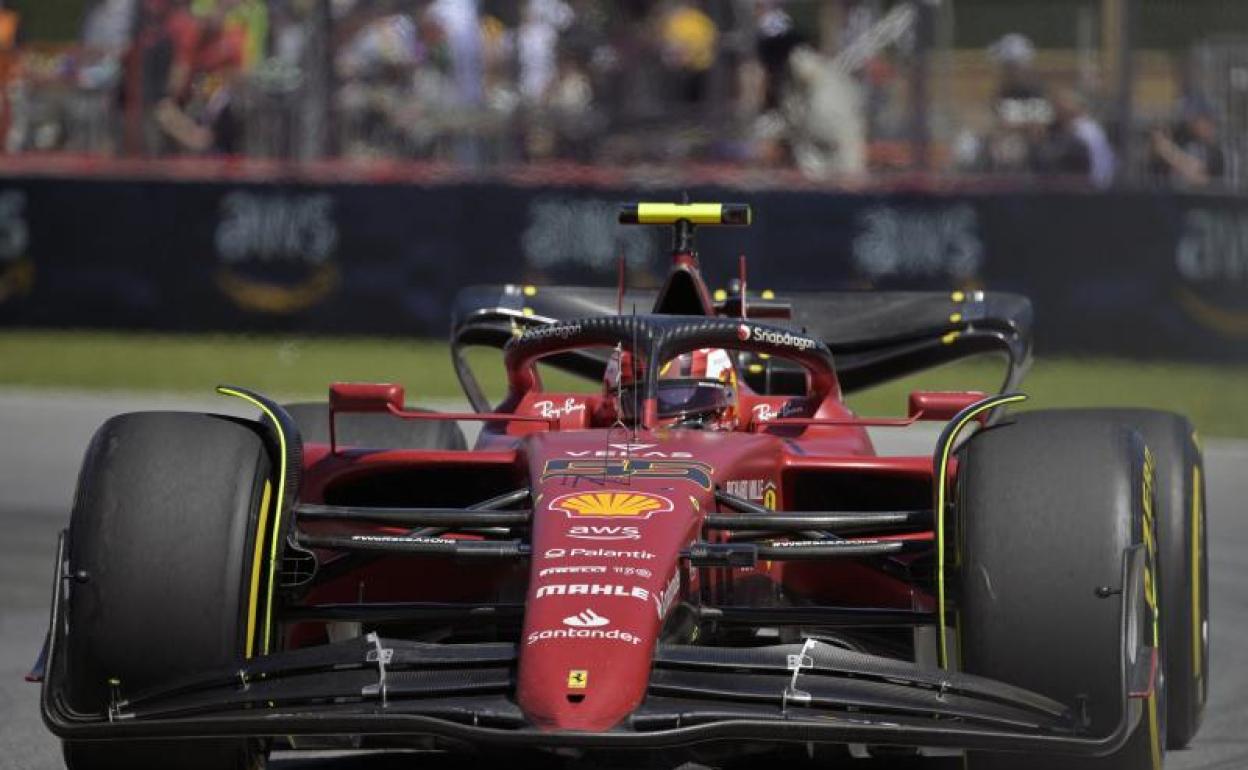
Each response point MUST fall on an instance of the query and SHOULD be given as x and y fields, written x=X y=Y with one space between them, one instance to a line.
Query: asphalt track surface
x=42 y=437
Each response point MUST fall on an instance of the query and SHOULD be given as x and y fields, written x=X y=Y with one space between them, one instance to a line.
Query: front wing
x=461 y=695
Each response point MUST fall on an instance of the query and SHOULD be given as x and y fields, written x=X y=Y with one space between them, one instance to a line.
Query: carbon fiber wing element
x=874 y=336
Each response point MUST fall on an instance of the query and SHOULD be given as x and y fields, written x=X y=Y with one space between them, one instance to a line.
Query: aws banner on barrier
x=1123 y=273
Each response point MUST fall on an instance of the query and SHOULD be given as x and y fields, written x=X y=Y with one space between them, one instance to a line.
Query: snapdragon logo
x=561 y=331
x=746 y=333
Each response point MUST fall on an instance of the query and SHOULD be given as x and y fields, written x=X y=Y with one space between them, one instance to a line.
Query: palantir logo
x=586 y=619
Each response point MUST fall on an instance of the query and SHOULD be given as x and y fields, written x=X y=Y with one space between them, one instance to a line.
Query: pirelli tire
x=1047 y=503
x=375 y=430
x=1181 y=543
x=163 y=536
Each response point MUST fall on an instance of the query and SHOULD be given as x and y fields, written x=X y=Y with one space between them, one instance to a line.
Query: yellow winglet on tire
x=737 y=214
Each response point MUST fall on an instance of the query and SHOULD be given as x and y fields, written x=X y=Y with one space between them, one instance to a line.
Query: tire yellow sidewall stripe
x=1197 y=635
x=1151 y=594
x=277 y=515
x=942 y=483
x=253 y=601
x=1154 y=732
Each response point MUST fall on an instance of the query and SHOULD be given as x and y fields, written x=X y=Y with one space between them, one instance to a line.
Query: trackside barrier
x=1138 y=274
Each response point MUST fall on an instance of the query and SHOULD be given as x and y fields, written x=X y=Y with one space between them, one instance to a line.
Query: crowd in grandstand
x=753 y=83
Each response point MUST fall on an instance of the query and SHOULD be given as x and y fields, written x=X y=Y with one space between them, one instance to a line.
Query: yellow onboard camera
x=736 y=214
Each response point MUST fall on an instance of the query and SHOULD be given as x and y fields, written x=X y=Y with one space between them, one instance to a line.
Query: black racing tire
x=1047 y=504
x=1184 y=572
x=163 y=531
x=375 y=430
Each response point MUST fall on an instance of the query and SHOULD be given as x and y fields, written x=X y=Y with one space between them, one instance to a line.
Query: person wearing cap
x=1015 y=54
x=1020 y=108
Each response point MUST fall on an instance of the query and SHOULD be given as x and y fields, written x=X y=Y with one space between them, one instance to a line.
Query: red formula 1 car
x=699 y=555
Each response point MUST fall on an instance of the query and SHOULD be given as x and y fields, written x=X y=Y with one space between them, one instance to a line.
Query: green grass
x=1215 y=397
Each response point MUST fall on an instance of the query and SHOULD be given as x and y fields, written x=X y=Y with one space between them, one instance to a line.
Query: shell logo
x=611 y=505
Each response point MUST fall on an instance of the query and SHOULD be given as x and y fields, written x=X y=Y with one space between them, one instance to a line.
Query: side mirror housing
x=940 y=405
x=365 y=397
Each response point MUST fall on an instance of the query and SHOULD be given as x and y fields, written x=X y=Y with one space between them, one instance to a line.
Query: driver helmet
x=698 y=388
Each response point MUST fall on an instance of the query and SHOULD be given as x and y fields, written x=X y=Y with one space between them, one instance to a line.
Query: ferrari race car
x=697 y=556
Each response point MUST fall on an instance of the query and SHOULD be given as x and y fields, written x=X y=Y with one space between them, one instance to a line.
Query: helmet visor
x=680 y=398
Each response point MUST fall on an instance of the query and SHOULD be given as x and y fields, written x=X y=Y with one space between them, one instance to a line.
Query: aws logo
x=17 y=270
x=611 y=505
x=275 y=253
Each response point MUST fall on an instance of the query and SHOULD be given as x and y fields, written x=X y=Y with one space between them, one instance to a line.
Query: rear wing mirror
x=940 y=405
x=365 y=397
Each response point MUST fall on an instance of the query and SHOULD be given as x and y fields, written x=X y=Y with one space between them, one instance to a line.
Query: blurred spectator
x=497 y=57
x=776 y=37
x=812 y=112
x=251 y=19
x=1015 y=55
x=823 y=110
x=456 y=25
x=290 y=36
x=9 y=21
x=1021 y=113
x=1075 y=144
x=571 y=93
x=385 y=43
x=689 y=40
x=11 y=129
x=378 y=63
x=197 y=113
x=460 y=23
x=540 y=25
x=109 y=25
x=1020 y=105
x=1190 y=155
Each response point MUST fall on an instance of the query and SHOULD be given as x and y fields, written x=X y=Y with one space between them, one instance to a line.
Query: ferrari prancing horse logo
x=578 y=679
x=611 y=505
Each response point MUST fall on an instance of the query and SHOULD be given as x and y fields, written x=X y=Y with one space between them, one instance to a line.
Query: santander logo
x=586 y=619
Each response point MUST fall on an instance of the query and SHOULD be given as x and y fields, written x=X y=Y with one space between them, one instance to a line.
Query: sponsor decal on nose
x=587 y=618
x=593 y=589
x=610 y=505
